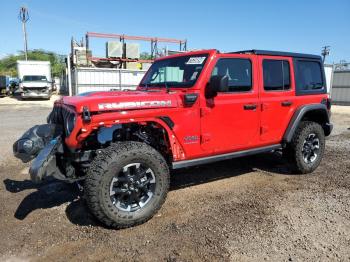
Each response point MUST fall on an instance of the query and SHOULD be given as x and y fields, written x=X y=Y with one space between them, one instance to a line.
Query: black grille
x=60 y=115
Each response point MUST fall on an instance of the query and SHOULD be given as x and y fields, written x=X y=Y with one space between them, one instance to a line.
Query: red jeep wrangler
x=190 y=109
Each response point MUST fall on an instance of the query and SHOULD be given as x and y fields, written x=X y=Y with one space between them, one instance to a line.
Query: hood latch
x=86 y=114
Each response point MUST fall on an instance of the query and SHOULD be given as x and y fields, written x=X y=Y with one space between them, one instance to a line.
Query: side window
x=276 y=75
x=239 y=72
x=309 y=75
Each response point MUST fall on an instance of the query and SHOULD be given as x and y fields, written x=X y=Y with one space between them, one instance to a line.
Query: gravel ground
x=247 y=209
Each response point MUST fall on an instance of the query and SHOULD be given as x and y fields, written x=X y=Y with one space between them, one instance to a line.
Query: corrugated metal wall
x=86 y=79
x=341 y=87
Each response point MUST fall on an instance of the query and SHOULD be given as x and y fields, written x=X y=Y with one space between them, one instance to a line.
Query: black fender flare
x=298 y=116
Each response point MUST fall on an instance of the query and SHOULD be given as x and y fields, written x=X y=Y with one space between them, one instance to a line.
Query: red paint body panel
x=215 y=126
x=225 y=125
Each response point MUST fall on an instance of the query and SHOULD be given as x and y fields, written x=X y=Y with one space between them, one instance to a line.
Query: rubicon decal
x=137 y=104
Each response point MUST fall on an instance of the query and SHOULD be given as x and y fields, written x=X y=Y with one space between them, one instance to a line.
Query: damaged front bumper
x=44 y=165
x=40 y=143
x=34 y=94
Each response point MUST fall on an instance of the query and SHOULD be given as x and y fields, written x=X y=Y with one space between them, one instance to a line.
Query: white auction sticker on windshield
x=196 y=60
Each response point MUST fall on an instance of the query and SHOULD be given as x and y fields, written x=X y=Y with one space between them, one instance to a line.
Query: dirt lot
x=248 y=209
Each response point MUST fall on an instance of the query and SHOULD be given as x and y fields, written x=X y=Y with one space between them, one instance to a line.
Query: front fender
x=112 y=119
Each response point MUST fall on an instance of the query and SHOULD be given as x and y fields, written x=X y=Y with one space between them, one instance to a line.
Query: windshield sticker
x=197 y=60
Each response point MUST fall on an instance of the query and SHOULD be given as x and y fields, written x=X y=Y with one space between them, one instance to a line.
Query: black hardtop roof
x=276 y=53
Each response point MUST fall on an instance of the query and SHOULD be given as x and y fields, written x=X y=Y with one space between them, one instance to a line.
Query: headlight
x=27 y=145
x=70 y=123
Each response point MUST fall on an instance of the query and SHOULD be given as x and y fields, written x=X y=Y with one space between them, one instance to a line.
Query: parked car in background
x=35 y=79
x=4 y=83
x=13 y=85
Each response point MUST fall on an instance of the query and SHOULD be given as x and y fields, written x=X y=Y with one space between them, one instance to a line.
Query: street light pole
x=24 y=17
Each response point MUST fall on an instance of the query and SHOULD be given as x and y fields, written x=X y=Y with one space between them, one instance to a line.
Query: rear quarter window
x=309 y=76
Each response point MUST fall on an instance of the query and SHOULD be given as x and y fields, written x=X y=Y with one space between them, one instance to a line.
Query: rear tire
x=306 y=149
x=127 y=184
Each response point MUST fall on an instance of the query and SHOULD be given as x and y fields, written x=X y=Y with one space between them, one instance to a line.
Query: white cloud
x=3 y=55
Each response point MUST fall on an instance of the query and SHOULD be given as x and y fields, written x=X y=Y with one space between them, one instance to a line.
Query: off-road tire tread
x=293 y=152
x=98 y=168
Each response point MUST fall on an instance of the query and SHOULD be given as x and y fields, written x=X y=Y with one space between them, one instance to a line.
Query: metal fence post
x=69 y=76
x=120 y=79
x=76 y=81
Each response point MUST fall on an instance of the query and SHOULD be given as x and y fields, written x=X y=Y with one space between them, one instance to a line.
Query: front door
x=230 y=121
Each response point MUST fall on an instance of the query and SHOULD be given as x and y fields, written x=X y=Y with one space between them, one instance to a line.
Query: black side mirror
x=216 y=84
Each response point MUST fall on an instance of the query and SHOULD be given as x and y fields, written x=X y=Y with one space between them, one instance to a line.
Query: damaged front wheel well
x=151 y=133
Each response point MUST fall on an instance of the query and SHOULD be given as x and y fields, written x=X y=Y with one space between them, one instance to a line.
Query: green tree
x=145 y=56
x=8 y=64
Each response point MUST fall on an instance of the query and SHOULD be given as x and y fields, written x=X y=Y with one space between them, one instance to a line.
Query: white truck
x=35 y=79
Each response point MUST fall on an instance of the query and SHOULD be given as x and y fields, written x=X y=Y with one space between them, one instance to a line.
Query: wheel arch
x=167 y=125
x=315 y=112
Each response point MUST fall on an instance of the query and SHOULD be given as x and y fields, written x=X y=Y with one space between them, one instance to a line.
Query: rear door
x=230 y=121
x=277 y=97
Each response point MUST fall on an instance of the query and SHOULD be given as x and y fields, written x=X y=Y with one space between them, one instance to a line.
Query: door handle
x=250 y=107
x=286 y=103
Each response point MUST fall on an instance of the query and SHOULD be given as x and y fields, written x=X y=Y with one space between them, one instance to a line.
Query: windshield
x=182 y=71
x=34 y=78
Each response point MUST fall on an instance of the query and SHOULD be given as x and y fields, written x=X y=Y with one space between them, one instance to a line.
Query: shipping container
x=341 y=87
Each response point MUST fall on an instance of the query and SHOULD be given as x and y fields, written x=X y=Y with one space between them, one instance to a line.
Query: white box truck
x=35 y=79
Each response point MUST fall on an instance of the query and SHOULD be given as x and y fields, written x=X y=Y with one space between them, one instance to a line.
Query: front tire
x=306 y=149
x=127 y=184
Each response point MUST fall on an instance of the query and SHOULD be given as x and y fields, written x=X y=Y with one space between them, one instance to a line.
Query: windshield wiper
x=166 y=87
x=160 y=84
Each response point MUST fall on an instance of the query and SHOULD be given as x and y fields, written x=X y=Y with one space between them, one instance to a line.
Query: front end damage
x=79 y=128
x=40 y=143
x=44 y=146
x=36 y=92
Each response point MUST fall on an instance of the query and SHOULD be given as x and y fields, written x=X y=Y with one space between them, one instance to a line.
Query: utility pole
x=23 y=16
x=325 y=51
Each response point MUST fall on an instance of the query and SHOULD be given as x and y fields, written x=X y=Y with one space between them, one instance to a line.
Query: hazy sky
x=297 y=26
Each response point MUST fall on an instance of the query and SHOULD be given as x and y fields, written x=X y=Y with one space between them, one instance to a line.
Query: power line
x=23 y=16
